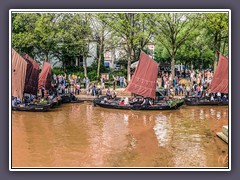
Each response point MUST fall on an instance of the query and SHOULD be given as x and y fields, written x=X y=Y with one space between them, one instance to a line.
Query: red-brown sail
x=19 y=67
x=220 y=80
x=45 y=76
x=31 y=82
x=144 y=79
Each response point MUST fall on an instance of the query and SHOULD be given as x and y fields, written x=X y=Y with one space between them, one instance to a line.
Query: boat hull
x=33 y=108
x=115 y=105
x=135 y=107
x=70 y=99
x=204 y=102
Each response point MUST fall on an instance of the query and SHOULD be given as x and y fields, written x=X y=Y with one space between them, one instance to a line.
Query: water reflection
x=161 y=129
x=80 y=135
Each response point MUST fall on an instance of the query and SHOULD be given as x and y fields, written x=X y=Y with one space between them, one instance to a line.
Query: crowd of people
x=75 y=84
x=196 y=83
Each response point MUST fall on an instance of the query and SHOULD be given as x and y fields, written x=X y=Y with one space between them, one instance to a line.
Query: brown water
x=80 y=135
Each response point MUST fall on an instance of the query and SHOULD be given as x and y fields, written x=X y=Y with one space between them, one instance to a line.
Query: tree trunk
x=224 y=45
x=46 y=57
x=77 y=61
x=129 y=64
x=215 y=52
x=99 y=58
x=173 y=64
x=215 y=60
x=85 y=65
x=128 y=69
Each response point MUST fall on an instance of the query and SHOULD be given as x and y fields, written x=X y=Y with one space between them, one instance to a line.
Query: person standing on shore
x=84 y=82
x=102 y=83
x=124 y=81
x=114 y=82
x=87 y=82
x=121 y=82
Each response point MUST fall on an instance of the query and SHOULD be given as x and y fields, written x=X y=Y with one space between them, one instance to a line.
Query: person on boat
x=114 y=95
x=212 y=97
x=162 y=102
x=36 y=100
x=18 y=100
x=136 y=101
x=206 y=94
x=14 y=102
x=146 y=102
x=224 y=98
x=32 y=97
x=219 y=96
x=126 y=101
x=26 y=100
x=42 y=91
x=121 y=102
x=108 y=93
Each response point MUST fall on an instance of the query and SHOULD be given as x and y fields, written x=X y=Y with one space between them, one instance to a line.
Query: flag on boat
x=144 y=79
x=220 y=79
x=19 y=67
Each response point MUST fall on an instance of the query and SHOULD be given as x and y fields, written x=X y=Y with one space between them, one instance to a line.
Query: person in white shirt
x=219 y=96
x=126 y=101
x=212 y=97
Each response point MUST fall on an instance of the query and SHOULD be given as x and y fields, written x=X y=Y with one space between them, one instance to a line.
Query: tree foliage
x=192 y=39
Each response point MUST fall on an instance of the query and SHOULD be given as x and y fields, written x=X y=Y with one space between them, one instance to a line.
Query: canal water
x=80 y=135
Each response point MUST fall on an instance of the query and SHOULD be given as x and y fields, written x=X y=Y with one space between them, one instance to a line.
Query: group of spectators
x=73 y=84
x=196 y=83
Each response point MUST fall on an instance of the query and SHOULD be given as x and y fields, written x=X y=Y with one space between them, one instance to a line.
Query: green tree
x=23 y=25
x=217 y=26
x=133 y=29
x=173 y=29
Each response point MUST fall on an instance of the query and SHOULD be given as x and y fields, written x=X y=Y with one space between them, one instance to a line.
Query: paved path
x=120 y=93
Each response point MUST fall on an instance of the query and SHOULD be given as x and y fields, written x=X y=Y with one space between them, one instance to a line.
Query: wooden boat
x=54 y=102
x=114 y=105
x=219 y=84
x=70 y=98
x=25 y=79
x=194 y=101
x=143 y=83
x=33 y=108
